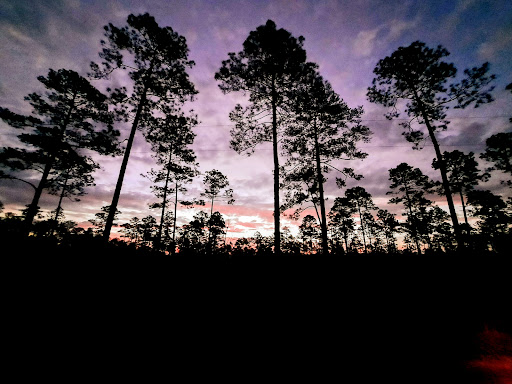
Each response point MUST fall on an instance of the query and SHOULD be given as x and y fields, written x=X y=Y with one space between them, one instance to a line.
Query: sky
x=345 y=38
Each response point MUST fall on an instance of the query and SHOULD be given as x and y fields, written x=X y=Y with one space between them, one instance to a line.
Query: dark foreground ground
x=359 y=319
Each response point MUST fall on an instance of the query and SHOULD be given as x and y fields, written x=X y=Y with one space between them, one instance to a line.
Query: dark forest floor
x=373 y=316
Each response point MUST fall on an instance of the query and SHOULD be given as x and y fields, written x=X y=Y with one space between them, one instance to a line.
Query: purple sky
x=346 y=39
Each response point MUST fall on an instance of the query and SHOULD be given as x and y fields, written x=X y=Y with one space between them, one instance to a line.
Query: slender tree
x=324 y=132
x=149 y=229
x=216 y=187
x=268 y=69
x=131 y=230
x=76 y=175
x=139 y=231
x=341 y=221
x=390 y=226
x=156 y=63
x=463 y=174
x=263 y=244
x=431 y=225
x=100 y=219
x=309 y=233
x=65 y=120
x=216 y=231
x=417 y=74
x=362 y=202
x=290 y=244
x=170 y=138
x=409 y=185
x=373 y=231
x=168 y=237
x=193 y=237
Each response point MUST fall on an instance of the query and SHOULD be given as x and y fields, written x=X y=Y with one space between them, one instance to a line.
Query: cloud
x=398 y=27
x=228 y=37
x=496 y=45
x=364 y=42
x=469 y=136
x=367 y=40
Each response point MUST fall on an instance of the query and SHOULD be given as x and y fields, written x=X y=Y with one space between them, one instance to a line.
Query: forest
x=290 y=106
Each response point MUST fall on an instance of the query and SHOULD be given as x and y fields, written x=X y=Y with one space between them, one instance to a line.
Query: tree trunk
x=323 y=220
x=277 y=227
x=369 y=237
x=119 y=185
x=362 y=227
x=463 y=207
x=444 y=177
x=210 y=246
x=173 y=251
x=164 y=203
x=32 y=208
x=413 y=218
x=59 y=205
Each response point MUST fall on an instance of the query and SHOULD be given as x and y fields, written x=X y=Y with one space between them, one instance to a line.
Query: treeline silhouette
x=290 y=105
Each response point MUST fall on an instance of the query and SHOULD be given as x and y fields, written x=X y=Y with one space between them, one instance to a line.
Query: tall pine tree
x=419 y=75
x=409 y=185
x=170 y=137
x=463 y=174
x=269 y=68
x=324 y=132
x=156 y=61
x=70 y=117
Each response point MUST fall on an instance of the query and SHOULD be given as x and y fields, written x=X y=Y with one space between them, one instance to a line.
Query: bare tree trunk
x=210 y=246
x=164 y=202
x=59 y=205
x=463 y=207
x=323 y=220
x=444 y=177
x=411 y=215
x=362 y=227
x=277 y=226
x=32 y=208
x=369 y=237
x=119 y=185
x=174 y=224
